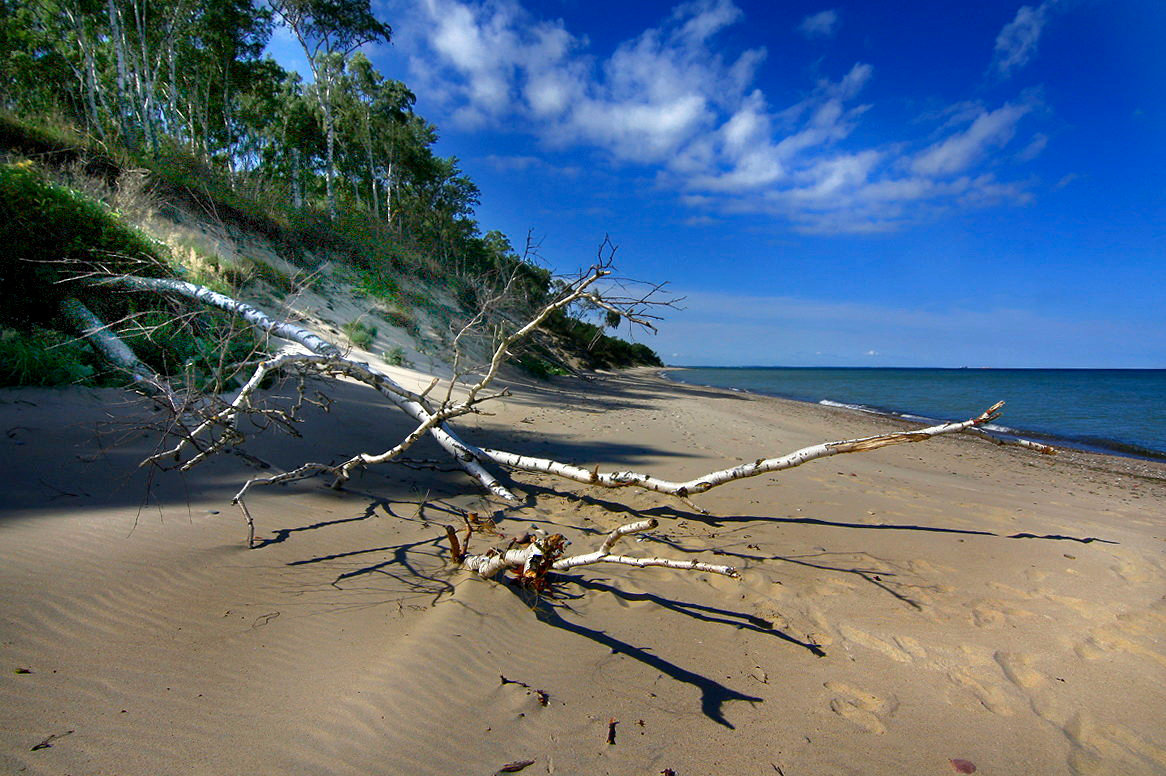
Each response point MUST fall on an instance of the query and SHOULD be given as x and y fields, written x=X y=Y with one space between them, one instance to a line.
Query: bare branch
x=713 y=479
x=466 y=455
x=542 y=554
x=1028 y=444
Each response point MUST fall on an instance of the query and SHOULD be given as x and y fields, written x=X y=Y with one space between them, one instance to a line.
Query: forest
x=185 y=91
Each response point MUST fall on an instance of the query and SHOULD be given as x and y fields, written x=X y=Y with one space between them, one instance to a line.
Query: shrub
x=377 y=284
x=51 y=233
x=402 y=320
x=271 y=275
x=203 y=350
x=537 y=366
x=360 y=333
x=396 y=356
x=44 y=357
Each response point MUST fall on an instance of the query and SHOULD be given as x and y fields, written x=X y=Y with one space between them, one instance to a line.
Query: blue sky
x=882 y=183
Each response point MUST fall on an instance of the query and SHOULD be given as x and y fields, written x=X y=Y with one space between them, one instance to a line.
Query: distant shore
x=868 y=390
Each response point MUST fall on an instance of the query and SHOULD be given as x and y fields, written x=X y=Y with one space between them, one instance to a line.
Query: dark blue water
x=1119 y=411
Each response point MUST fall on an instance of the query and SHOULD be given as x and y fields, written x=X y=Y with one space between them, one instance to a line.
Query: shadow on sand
x=713 y=694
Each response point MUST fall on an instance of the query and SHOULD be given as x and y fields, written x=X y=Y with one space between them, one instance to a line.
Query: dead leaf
x=962 y=766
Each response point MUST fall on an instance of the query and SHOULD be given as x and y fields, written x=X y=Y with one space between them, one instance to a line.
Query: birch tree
x=330 y=31
x=433 y=410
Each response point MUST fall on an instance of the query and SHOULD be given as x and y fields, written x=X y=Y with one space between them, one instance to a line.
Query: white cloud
x=671 y=99
x=823 y=24
x=1034 y=147
x=961 y=150
x=528 y=164
x=1016 y=44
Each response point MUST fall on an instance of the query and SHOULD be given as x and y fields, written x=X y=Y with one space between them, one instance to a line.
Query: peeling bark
x=713 y=479
x=465 y=454
x=113 y=349
x=544 y=553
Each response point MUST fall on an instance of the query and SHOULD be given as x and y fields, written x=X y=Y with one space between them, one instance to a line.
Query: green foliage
x=182 y=175
x=396 y=356
x=360 y=333
x=203 y=350
x=44 y=357
x=403 y=320
x=377 y=283
x=537 y=366
x=51 y=234
x=58 y=234
x=270 y=275
x=228 y=133
x=599 y=350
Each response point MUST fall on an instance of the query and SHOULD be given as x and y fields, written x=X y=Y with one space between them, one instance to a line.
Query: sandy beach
x=920 y=609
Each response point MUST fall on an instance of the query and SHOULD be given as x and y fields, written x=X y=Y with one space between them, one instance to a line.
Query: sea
x=1116 y=411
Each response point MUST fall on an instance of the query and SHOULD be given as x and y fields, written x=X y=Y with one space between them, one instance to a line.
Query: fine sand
x=919 y=609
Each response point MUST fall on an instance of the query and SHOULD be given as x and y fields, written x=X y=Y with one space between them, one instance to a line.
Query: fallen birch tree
x=310 y=355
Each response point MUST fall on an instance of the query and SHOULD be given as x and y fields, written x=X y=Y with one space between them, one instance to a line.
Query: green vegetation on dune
x=342 y=169
x=41 y=356
x=57 y=238
x=52 y=233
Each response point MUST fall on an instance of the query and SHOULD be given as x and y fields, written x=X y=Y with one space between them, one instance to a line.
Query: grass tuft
x=360 y=333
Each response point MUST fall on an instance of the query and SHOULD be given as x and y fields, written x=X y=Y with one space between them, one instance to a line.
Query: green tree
x=330 y=31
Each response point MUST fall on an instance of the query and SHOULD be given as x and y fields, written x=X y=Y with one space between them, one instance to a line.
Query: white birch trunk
x=467 y=456
x=533 y=556
x=113 y=349
x=117 y=35
x=713 y=479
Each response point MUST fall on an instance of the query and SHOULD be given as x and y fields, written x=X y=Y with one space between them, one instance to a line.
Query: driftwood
x=413 y=404
x=111 y=347
x=713 y=479
x=533 y=558
x=541 y=554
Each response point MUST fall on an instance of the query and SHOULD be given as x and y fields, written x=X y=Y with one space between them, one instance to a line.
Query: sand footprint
x=993 y=613
x=991 y=696
x=894 y=652
x=1099 y=748
x=864 y=709
x=1017 y=670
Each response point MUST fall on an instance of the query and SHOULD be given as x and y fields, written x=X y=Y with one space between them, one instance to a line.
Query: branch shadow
x=599 y=393
x=711 y=614
x=713 y=694
x=411 y=576
x=717 y=521
x=400 y=557
x=283 y=534
x=534 y=490
x=1062 y=538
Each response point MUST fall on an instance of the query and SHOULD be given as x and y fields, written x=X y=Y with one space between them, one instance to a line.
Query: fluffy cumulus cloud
x=1016 y=44
x=820 y=25
x=670 y=99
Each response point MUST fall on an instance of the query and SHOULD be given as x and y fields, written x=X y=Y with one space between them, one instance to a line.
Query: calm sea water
x=1119 y=411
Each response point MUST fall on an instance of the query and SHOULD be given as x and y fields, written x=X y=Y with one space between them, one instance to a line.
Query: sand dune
x=901 y=610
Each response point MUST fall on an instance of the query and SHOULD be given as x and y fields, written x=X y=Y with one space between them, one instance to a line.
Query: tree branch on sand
x=713 y=479
x=532 y=557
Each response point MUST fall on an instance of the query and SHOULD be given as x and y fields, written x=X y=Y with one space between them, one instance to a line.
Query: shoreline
x=897 y=610
x=1113 y=448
